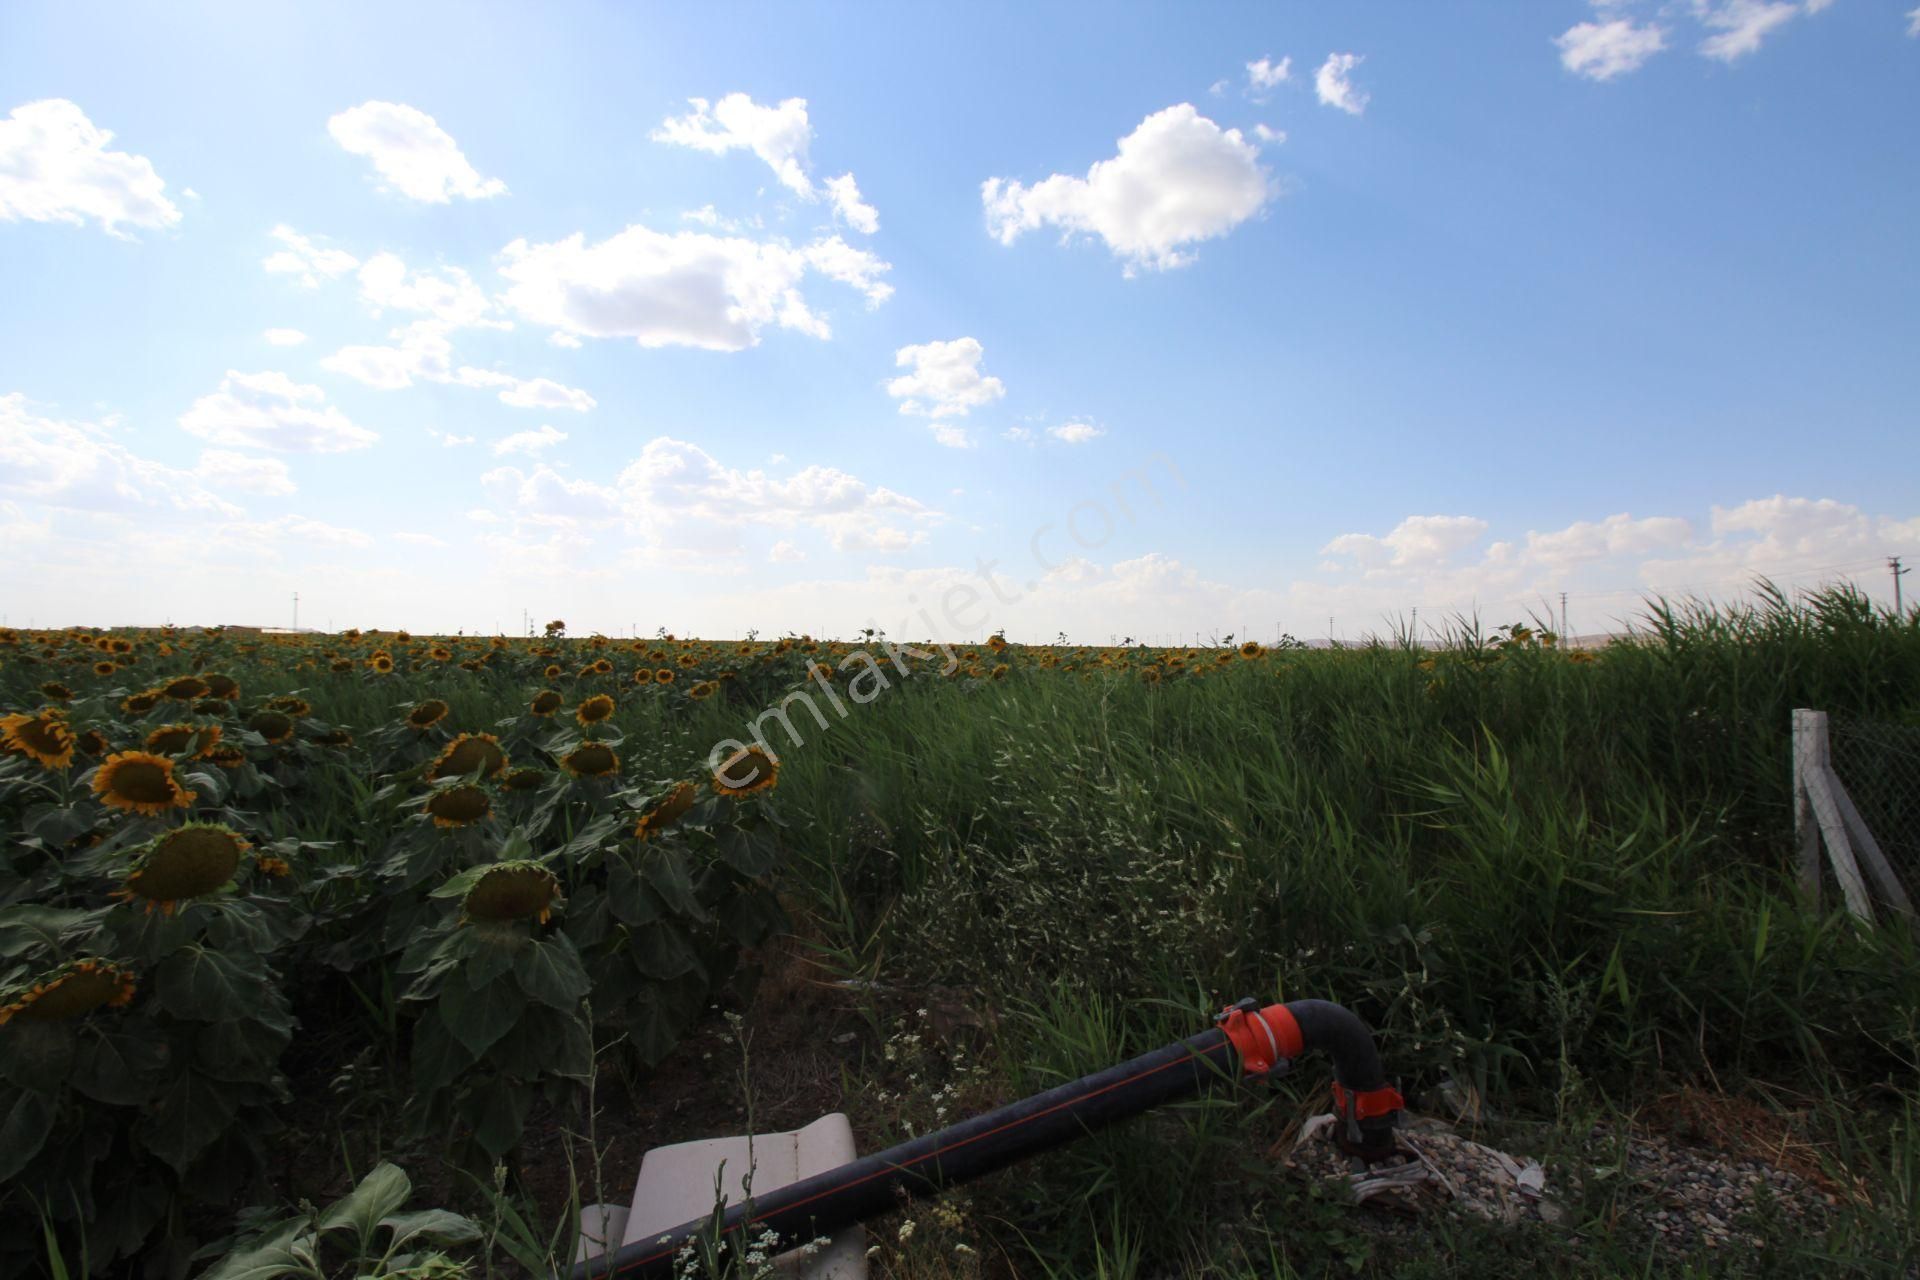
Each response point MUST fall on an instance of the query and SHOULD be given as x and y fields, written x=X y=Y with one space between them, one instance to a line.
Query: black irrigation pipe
x=1249 y=1041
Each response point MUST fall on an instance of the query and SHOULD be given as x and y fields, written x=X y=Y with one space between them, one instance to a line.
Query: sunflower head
x=223 y=687
x=643 y=676
x=340 y=666
x=93 y=743
x=140 y=782
x=43 y=738
x=267 y=865
x=186 y=863
x=666 y=811
x=174 y=739
x=553 y=671
x=663 y=676
x=546 y=702
x=525 y=780
x=228 y=757
x=381 y=663
x=519 y=890
x=106 y=669
x=427 y=714
x=466 y=753
x=701 y=690
x=139 y=704
x=595 y=710
x=459 y=806
x=591 y=760
x=73 y=990
x=746 y=771
x=54 y=691
x=185 y=688
x=275 y=726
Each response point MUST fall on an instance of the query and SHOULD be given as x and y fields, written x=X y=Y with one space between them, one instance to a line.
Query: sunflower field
x=433 y=898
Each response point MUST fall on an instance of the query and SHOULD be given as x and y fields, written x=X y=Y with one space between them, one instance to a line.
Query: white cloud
x=1617 y=535
x=284 y=337
x=531 y=443
x=1271 y=136
x=1415 y=541
x=420 y=539
x=1913 y=23
x=78 y=466
x=448 y=440
x=310 y=261
x=228 y=471
x=945 y=380
x=55 y=167
x=784 y=552
x=1267 y=74
x=527 y=393
x=305 y=531
x=686 y=289
x=951 y=435
x=564 y=340
x=411 y=152
x=1019 y=435
x=847 y=204
x=1076 y=432
x=1603 y=50
x=271 y=411
x=422 y=351
x=1740 y=25
x=858 y=269
x=778 y=135
x=1334 y=87
x=1177 y=179
x=450 y=297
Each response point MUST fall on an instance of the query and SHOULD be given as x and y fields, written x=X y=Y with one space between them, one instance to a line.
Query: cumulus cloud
x=1076 y=432
x=1415 y=541
x=1177 y=179
x=422 y=351
x=779 y=135
x=284 y=337
x=1269 y=135
x=1603 y=50
x=944 y=379
x=1267 y=74
x=411 y=152
x=230 y=472
x=78 y=466
x=55 y=167
x=784 y=552
x=272 y=411
x=531 y=443
x=686 y=289
x=449 y=296
x=1334 y=86
x=302 y=256
x=1913 y=23
x=951 y=435
x=851 y=209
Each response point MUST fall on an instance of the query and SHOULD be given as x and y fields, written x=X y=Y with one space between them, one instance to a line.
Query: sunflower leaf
x=23 y=1131
x=188 y=1116
x=378 y=1195
x=550 y=972
x=478 y=1018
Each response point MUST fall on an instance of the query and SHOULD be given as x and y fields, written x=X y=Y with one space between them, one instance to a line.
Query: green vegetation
x=1562 y=878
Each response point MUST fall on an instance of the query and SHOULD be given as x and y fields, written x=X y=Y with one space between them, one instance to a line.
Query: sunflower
x=381 y=662
x=600 y=668
x=104 y=668
x=996 y=642
x=186 y=863
x=268 y=865
x=643 y=676
x=663 y=676
x=519 y=890
x=1251 y=649
x=44 y=738
x=440 y=653
x=591 y=760
x=140 y=782
x=554 y=671
x=595 y=710
x=92 y=743
x=466 y=753
x=185 y=688
x=525 y=779
x=687 y=660
x=1150 y=674
x=545 y=702
x=298 y=708
x=459 y=806
x=819 y=671
x=701 y=690
x=666 y=811
x=172 y=739
x=54 y=691
x=228 y=757
x=73 y=990
x=275 y=726
x=427 y=714
x=341 y=738
x=220 y=686
x=340 y=666
x=212 y=707
x=746 y=771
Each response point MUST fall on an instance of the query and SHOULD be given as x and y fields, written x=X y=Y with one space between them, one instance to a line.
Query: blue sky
x=1470 y=305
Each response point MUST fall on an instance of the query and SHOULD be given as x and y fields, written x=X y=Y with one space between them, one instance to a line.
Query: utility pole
x=1563 y=617
x=1899 y=607
x=296 y=611
x=1416 y=624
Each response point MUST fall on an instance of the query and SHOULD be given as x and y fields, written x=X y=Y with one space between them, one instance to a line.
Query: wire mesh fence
x=1878 y=762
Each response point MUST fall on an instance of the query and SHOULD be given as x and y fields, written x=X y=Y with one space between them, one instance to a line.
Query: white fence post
x=1822 y=789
